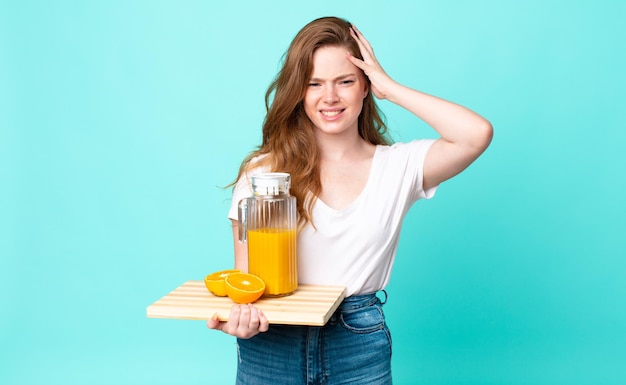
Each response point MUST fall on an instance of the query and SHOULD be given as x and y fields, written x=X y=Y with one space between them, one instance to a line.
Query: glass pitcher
x=267 y=222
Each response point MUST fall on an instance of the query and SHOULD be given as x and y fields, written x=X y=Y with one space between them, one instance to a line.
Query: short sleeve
x=407 y=162
x=243 y=189
x=420 y=149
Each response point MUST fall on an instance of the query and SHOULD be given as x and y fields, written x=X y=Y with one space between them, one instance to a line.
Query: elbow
x=483 y=135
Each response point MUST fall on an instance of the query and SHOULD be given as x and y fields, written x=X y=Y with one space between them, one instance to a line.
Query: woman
x=353 y=189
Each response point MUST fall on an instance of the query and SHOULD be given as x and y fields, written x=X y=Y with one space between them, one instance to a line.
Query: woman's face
x=334 y=96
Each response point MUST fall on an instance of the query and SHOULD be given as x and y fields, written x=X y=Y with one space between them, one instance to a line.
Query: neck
x=338 y=147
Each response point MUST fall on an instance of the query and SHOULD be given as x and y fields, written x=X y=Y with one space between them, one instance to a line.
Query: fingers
x=254 y=318
x=362 y=48
x=369 y=64
x=245 y=321
x=214 y=323
x=380 y=81
x=364 y=45
x=264 y=324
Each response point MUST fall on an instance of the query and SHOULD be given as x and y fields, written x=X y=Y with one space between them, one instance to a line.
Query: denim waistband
x=359 y=301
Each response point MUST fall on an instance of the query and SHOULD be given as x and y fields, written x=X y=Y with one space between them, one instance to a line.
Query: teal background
x=120 y=120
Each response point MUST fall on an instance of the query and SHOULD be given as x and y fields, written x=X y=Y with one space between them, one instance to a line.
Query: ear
x=367 y=85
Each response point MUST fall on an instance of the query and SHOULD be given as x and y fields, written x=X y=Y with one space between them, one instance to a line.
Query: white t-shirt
x=356 y=246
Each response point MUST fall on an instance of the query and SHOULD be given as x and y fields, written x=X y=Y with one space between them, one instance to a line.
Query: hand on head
x=370 y=65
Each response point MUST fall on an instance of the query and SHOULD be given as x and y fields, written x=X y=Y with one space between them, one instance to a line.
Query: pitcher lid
x=271 y=183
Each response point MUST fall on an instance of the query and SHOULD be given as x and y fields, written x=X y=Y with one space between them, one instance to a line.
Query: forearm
x=241 y=250
x=453 y=122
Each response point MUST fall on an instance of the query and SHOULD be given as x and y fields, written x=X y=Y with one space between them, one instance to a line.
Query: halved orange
x=214 y=282
x=244 y=287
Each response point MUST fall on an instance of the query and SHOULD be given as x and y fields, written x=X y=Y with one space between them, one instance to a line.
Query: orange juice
x=272 y=257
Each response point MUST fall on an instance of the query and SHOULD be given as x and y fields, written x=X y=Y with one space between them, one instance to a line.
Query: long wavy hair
x=289 y=143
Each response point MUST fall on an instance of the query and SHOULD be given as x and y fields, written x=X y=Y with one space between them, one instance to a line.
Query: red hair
x=289 y=143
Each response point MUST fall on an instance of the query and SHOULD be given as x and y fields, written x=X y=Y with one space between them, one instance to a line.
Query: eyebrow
x=340 y=77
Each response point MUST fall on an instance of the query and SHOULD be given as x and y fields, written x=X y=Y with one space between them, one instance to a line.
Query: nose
x=330 y=96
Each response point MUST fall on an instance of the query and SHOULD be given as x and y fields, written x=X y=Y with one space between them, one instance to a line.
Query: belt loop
x=386 y=296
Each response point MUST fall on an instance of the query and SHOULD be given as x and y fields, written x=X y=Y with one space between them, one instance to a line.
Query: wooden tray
x=309 y=305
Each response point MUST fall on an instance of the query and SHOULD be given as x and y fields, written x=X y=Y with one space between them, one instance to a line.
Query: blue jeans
x=354 y=347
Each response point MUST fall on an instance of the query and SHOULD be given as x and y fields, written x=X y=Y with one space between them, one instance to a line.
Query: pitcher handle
x=241 y=218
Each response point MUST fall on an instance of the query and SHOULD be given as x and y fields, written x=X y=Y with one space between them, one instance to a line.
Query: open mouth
x=331 y=114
